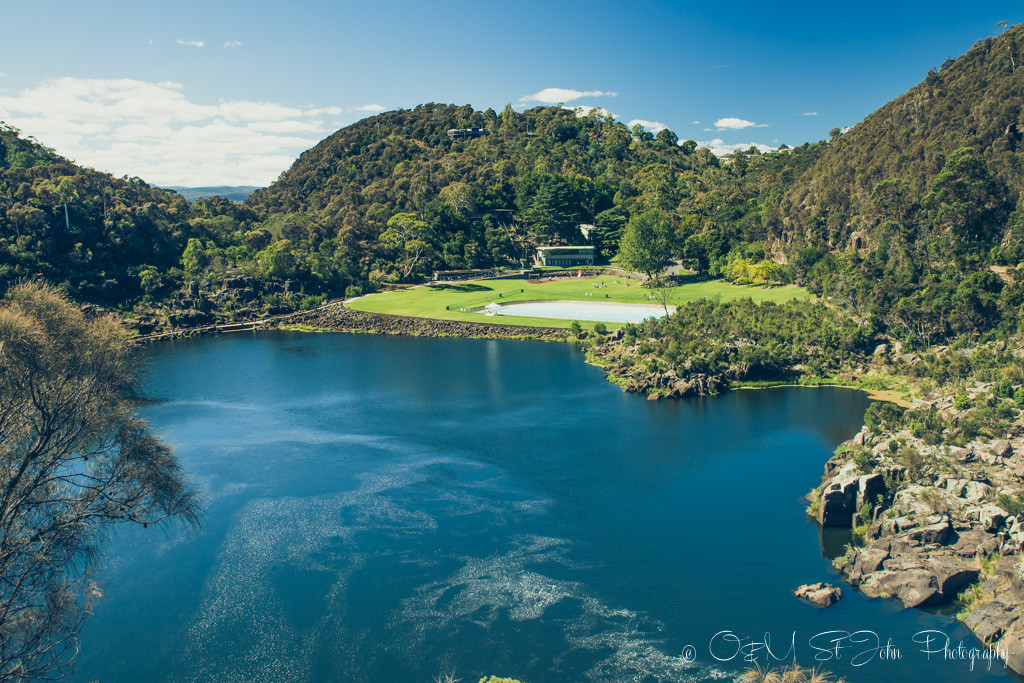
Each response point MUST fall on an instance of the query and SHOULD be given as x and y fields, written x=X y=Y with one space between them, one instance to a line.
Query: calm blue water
x=389 y=509
x=584 y=310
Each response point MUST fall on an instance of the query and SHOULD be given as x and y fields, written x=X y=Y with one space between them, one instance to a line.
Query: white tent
x=492 y=306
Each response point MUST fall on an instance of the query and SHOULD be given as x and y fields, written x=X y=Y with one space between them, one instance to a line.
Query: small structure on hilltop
x=565 y=256
x=467 y=132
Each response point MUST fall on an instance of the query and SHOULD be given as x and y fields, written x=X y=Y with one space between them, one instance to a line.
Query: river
x=393 y=508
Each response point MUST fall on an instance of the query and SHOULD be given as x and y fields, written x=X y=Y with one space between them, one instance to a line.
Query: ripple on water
x=277 y=602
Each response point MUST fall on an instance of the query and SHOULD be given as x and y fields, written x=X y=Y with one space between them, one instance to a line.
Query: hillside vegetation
x=396 y=188
x=903 y=217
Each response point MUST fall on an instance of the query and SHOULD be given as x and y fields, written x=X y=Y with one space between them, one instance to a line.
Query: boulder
x=962 y=455
x=976 y=491
x=1001 y=448
x=683 y=388
x=951 y=574
x=937 y=532
x=870 y=560
x=992 y=517
x=976 y=543
x=1012 y=646
x=820 y=594
x=894 y=525
x=238 y=282
x=914 y=587
x=910 y=539
x=990 y=621
x=881 y=350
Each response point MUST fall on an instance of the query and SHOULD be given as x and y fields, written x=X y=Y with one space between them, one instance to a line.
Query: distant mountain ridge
x=234 y=193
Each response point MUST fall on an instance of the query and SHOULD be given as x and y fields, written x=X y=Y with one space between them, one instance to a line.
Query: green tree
x=77 y=461
x=608 y=228
x=149 y=279
x=554 y=211
x=277 y=261
x=667 y=137
x=195 y=259
x=410 y=239
x=968 y=201
x=646 y=244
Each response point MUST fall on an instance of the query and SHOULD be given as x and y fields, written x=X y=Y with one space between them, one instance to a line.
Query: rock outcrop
x=820 y=594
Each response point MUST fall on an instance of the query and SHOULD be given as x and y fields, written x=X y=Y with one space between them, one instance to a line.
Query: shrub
x=1012 y=504
x=881 y=416
x=1003 y=388
x=862 y=458
x=960 y=400
x=912 y=461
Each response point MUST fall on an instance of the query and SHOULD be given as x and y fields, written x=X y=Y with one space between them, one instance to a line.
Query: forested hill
x=912 y=218
x=882 y=172
x=104 y=239
x=550 y=168
x=387 y=199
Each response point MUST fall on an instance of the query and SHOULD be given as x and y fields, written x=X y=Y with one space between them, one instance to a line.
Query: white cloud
x=696 y=123
x=371 y=108
x=153 y=131
x=719 y=148
x=233 y=43
x=190 y=43
x=809 y=113
x=329 y=111
x=733 y=123
x=653 y=126
x=585 y=109
x=3 y=75
x=556 y=95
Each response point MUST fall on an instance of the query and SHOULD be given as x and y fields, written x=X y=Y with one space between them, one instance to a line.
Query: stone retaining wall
x=336 y=317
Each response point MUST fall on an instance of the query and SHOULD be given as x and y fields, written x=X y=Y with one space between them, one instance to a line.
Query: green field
x=430 y=301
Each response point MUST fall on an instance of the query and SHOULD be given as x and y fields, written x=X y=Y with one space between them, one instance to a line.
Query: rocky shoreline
x=931 y=524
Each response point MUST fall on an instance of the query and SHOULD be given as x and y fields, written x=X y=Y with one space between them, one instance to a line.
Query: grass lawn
x=429 y=301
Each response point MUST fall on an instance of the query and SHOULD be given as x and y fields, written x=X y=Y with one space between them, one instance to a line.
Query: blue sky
x=198 y=93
